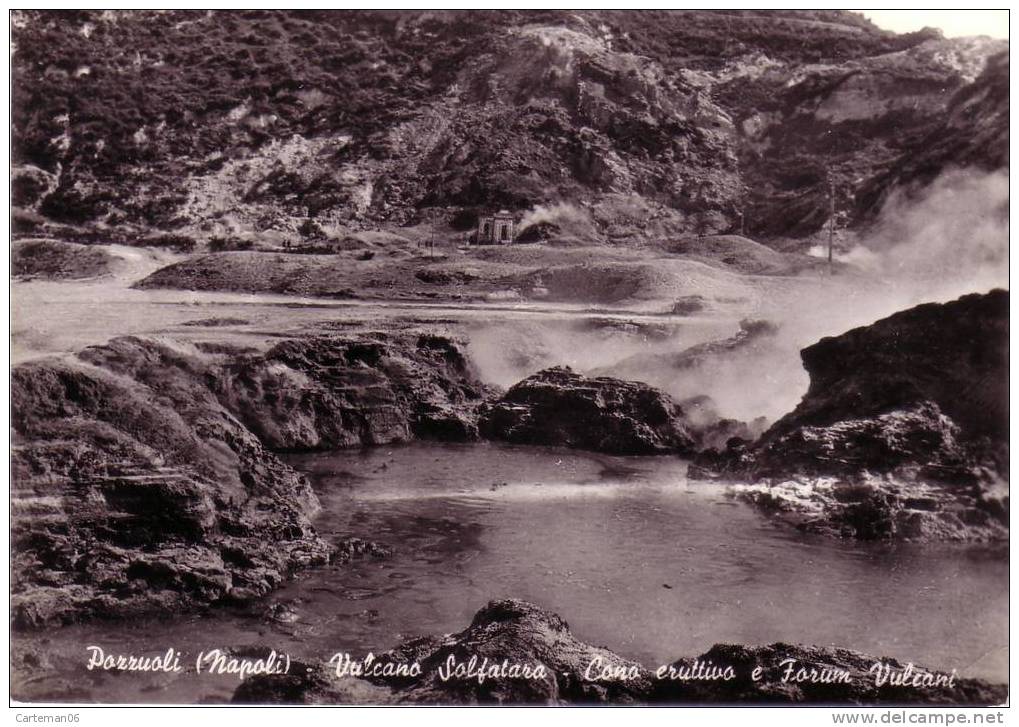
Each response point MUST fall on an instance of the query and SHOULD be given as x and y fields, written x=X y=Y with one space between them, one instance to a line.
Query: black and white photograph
x=582 y=357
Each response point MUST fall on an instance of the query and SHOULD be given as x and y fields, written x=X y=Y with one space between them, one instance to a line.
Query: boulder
x=953 y=355
x=913 y=404
x=324 y=393
x=503 y=634
x=558 y=407
x=476 y=663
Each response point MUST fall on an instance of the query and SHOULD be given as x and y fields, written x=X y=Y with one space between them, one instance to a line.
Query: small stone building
x=497 y=229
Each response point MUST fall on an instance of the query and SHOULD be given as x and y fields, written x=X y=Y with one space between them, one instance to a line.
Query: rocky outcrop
x=938 y=373
x=508 y=631
x=142 y=473
x=54 y=260
x=324 y=393
x=135 y=491
x=748 y=340
x=873 y=507
x=974 y=132
x=561 y=669
x=916 y=401
x=558 y=407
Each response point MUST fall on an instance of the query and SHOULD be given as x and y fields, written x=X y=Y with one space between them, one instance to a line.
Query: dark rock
x=509 y=631
x=281 y=612
x=952 y=355
x=352 y=547
x=324 y=393
x=216 y=322
x=142 y=481
x=750 y=335
x=882 y=443
x=557 y=407
x=914 y=407
x=520 y=633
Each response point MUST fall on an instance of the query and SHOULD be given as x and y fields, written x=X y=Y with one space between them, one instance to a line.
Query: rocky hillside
x=973 y=133
x=628 y=126
x=902 y=433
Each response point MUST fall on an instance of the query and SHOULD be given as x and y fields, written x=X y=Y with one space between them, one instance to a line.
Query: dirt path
x=60 y=317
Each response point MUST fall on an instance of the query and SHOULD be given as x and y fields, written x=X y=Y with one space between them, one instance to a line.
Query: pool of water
x=634 y=557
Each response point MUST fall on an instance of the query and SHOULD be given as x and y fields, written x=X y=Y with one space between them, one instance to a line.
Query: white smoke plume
x=954 y=238
x=946 y=240
x=572 y=221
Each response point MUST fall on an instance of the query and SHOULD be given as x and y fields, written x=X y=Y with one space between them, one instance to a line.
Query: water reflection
x=632 y=555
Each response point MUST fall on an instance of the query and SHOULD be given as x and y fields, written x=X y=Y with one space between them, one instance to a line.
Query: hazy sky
x=952 y=22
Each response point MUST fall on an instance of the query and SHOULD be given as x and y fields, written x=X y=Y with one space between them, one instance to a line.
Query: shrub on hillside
x=226 y=244
x=178 y=243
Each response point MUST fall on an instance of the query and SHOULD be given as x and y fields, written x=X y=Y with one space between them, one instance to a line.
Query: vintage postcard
x=509 y=357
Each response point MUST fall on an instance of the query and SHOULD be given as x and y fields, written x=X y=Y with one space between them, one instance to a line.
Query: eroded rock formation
x=142 y=473
x=328 y=393
x=916 y=400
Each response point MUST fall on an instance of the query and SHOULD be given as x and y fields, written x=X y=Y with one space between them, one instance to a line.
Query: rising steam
x=947 y=240
x=569 y=219
x=953 y=239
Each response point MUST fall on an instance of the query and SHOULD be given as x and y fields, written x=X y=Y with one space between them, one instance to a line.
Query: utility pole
x=743 y=212
x=744 y=193
x=831 y=223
